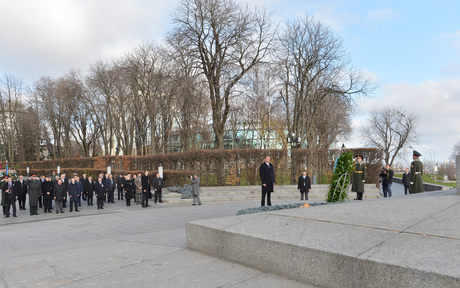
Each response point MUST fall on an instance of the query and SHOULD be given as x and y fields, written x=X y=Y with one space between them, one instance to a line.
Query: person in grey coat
x=196 y=189
x=34 y=193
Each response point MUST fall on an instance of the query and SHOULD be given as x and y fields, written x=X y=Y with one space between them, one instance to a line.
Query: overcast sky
x=410 y=48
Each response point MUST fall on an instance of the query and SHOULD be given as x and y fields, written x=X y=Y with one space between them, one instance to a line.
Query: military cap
x=359 y=156
x=6 y=177
x=416 y=153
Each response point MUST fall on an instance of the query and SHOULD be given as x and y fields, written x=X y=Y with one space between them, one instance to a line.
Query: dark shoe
x=20 y=208
x=193 y=204
x=77 y=210
x=62 y=211
x=46 y=211
x=6 y=216
x=102 y=207
x=49 y=211
x=15 y=216
x=24 y=209
x=57 y=212
x=199 y=204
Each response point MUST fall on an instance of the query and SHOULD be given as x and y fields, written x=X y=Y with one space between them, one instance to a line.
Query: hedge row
x=221 y=167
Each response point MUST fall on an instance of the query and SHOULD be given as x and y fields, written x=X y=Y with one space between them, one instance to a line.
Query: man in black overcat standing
x=267 y=176
x=145 y=189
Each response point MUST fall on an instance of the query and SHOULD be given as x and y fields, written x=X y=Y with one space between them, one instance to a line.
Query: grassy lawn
x=427 y=179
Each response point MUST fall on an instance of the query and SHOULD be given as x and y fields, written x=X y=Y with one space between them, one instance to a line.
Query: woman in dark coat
x=90 y=190
x=129 y=189
x=59 y=195
x=34 y=193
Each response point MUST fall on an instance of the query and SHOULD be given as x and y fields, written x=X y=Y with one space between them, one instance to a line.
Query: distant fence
x=239 y=165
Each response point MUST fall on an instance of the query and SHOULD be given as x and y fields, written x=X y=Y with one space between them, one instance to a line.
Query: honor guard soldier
x=359 y=178
x=416 y=171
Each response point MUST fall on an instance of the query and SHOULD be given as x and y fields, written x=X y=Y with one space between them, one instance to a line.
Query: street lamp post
x=294 y=141
x=237 y=139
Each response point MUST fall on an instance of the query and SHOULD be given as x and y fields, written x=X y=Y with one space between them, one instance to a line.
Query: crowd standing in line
x=41 y=191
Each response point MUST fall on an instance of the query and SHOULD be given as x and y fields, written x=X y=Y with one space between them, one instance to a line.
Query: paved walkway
x=122 y=246
x=119 y=246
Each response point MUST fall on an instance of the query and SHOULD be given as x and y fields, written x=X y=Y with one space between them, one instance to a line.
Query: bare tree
x=226 y=39
x=455 y=151
x=390 y=129
x=313 y=65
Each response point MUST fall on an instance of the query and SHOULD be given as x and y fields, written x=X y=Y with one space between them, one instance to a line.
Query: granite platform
x=411 y=241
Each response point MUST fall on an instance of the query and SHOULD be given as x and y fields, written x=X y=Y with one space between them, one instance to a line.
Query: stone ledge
x=396 y=243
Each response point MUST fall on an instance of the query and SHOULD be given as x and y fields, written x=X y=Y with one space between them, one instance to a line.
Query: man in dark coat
x=48 y=194
x=158 y=186
x=40 y=197
x=90 y=190
x=406 y=181
x=387 y=180
x=99 y=189
x=267 y=177
x=304 y=185
x=21 y=191
x=145 y=189
x=59 y=195
x=120 y=183
x=10 y=196
x=110 y=189
x=359 y=178
x=84 y=181
x=34 y=193
x=73 y=194
x=65 y=182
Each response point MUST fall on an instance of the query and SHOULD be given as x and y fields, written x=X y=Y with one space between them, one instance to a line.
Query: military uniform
x=359 y=177
x=416 y=172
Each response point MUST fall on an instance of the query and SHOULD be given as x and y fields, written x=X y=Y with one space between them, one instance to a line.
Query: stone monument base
x=408 y=241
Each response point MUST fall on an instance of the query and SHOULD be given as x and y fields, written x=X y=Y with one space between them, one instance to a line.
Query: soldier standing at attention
x=359 y=177
x=416 y=170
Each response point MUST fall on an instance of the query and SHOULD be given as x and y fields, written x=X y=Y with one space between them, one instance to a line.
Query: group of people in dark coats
x=42 y=191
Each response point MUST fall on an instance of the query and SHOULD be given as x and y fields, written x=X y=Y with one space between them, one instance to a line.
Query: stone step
x=175 y=199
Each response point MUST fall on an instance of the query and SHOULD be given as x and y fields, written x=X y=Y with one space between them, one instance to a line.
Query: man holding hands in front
x=267 y=177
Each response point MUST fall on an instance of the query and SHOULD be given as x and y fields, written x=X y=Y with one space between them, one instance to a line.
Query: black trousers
x=40 y=201
x=90 y=200
x=100 y=203
x=406 y=189
x=10 y=201
x=158 y=196
x=269 y=202
x=302 y=194
x=145 y=199
x=120 y=193
x=47 y=204
x=110 y=197
x=22 y=201
x=128 y=202
x=359 y=195
x=71 y=203
x=84 y=195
